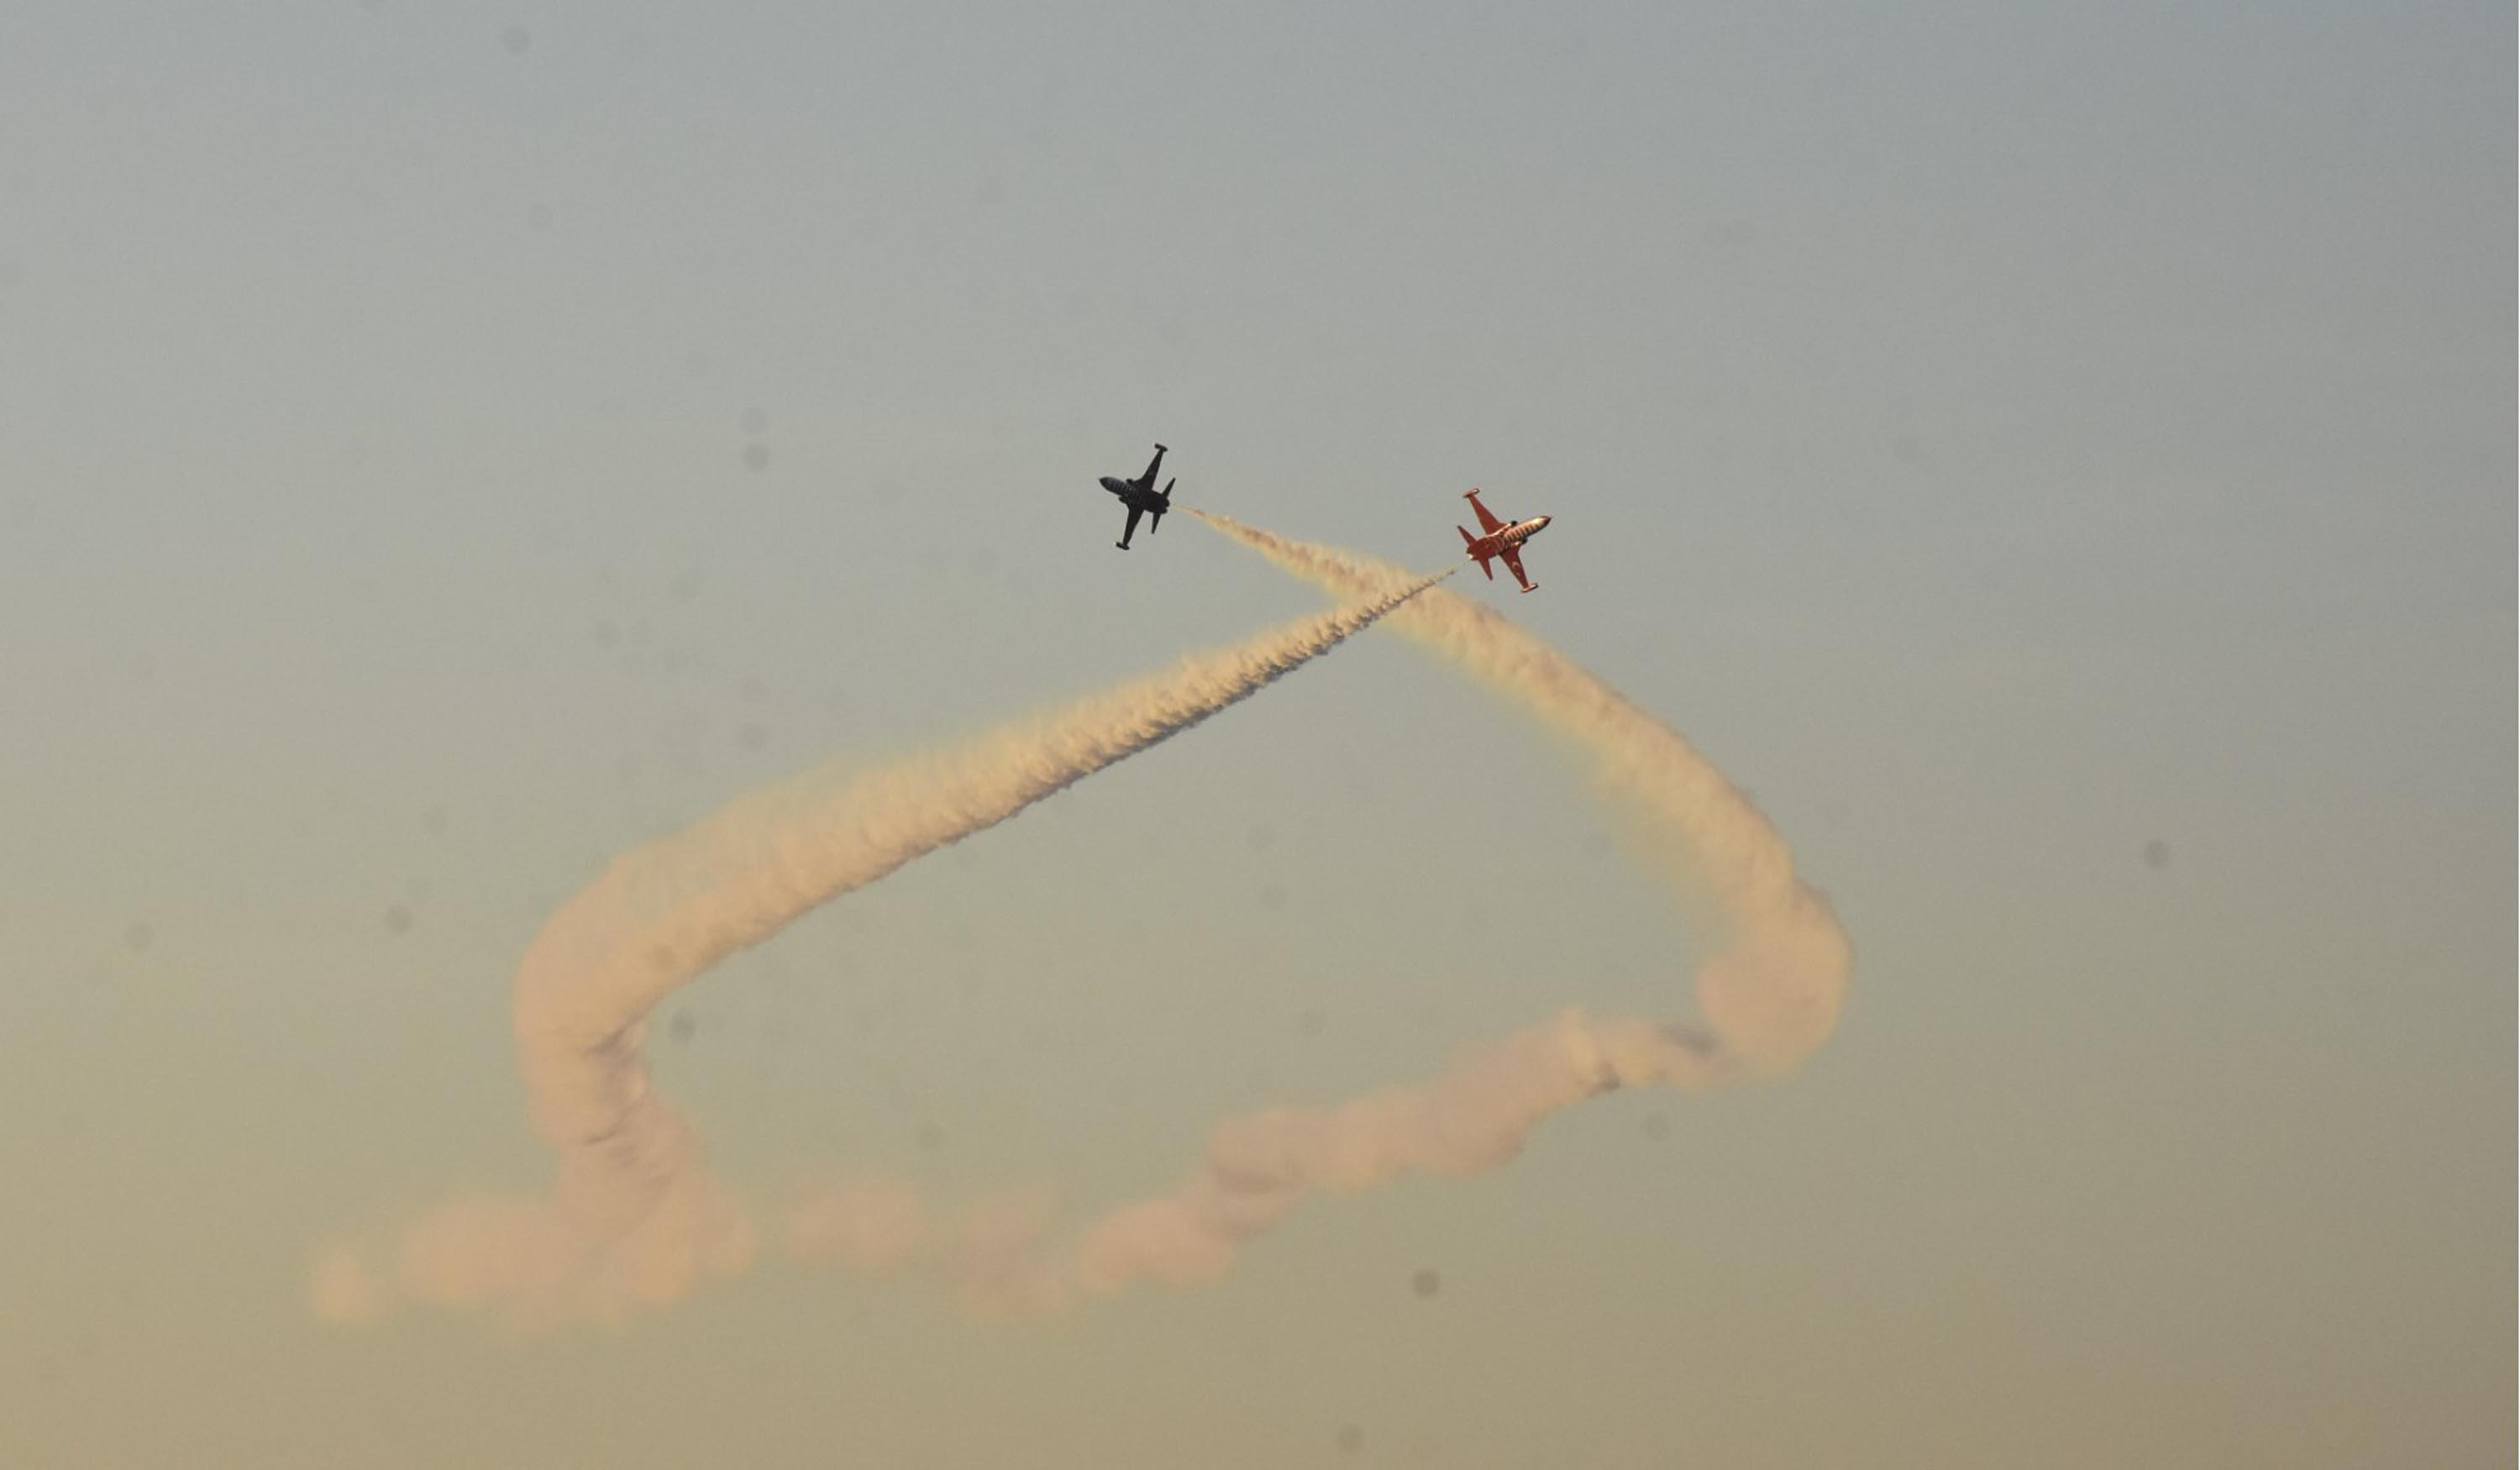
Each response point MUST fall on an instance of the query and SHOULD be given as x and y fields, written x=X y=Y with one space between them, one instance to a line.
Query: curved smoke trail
x=634 y=1216
x=1769 y=996
x=636 y=1219
x=1773 y=996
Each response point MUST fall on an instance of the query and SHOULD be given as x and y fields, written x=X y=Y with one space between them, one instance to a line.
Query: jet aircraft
x=1497 y=539
x=1140 y=495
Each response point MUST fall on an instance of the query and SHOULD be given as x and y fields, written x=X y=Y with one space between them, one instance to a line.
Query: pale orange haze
x=603 y=862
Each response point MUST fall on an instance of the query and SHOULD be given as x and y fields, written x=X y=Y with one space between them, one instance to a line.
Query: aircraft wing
x=1131 y=529
x=1488 y=524
x=1513 y=556
x=1147 y=481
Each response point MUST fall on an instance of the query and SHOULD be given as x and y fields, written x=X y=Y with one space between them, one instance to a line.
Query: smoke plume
x=634 y=1218
x=1769 y=998
x=1773 y=994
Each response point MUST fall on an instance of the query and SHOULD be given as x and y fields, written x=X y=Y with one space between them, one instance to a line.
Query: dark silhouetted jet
x=1140 y=495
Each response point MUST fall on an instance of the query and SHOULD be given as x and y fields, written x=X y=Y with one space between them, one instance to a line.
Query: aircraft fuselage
x=1136 y=497
x=1514 y=535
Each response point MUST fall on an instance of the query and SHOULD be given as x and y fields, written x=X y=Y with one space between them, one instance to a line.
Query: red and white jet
x=1497 y=539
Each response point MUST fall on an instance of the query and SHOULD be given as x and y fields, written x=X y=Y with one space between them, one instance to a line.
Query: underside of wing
x=1487 y=522
x=1513 y=564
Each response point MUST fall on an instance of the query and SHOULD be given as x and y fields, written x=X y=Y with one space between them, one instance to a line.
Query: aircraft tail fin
x=1168 y=489
x=1466 y=538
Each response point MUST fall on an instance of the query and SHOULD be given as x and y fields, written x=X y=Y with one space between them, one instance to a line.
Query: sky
x=2058 y=463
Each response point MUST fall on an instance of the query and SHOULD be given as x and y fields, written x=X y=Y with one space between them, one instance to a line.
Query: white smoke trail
x=634 y=1218
x=1775 y=994
x=1769 y=998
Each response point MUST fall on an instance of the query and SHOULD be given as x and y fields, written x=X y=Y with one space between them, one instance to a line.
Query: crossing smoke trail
x=1773 y=995
x=1769 y=998
x=634 y=1218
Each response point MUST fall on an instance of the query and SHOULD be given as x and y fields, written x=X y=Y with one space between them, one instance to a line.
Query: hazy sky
x=2060 y=463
